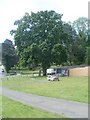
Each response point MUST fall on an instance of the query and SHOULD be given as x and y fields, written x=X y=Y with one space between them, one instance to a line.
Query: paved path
x=59 y=106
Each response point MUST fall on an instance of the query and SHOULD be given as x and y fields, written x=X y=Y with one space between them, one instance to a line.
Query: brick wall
x=82 y=71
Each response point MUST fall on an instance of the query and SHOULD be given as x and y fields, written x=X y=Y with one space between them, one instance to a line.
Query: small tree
x=9 y=55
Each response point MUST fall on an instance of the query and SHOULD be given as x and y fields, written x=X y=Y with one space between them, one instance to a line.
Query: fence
x=82 y=71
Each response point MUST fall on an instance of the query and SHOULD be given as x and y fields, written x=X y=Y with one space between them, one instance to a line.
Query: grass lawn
x=0 y=107
x=0 y=82
x=13 y=109
x=20 y=79
x=25 y=72
x=68 y=88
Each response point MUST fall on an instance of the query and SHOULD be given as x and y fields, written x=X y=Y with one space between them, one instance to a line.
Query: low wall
x=82 y=71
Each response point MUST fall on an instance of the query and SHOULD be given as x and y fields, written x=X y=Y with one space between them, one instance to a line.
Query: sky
x=11 y=10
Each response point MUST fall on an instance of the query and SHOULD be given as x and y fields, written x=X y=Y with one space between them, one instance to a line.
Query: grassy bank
x=13 y=109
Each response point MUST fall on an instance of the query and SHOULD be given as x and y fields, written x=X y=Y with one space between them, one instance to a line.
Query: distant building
x=73 y=70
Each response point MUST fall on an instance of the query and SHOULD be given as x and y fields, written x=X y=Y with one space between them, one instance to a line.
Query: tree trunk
x=44 y=71
x=7 y=66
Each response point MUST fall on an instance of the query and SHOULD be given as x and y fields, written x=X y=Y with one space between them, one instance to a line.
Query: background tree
x=81 y=42
x=9 y=55
x=81 y=25
x=87 y=56
x=69 y=37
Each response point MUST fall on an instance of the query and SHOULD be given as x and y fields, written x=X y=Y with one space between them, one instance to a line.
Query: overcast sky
x=11 y=10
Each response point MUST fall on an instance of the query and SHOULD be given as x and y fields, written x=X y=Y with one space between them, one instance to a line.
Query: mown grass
x=0 y=107
x=24 y=71
x=68 y=88
x=13 y=109
x=20 y=79
x=0 y=82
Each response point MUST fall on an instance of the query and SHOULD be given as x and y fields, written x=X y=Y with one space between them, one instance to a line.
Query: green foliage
x=81 y=41
x=87 y=56
x=30 y=56
x=81 y=25
x=69 y=37
x=59 y=54
x=9 y=55
x=42 y=29
x=45 y=55
x=79 y=51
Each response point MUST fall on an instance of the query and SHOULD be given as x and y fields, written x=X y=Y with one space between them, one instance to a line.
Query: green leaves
x=36 y=35
x=59 y=54
x=30 y=55
x=9 y=54
x=81 y=25
x=87 y=56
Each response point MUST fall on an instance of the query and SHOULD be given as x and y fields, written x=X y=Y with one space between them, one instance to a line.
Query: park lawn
x=0 y=107
x=68 y=88
x=0 y=83
x=25 y=72
x=20 y=79
x=14 y=109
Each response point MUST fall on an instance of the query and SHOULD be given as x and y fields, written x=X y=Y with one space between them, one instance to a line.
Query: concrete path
x=59 y=106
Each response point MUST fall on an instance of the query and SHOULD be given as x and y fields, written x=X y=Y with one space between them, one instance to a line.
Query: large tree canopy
x=38 y=32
